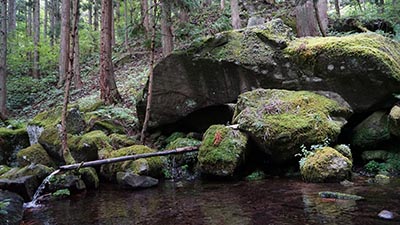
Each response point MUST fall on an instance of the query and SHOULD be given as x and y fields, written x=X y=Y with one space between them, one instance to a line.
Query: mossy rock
x=38 y=170
x=326 y=165
x=394 y=121
x=35 y=154
x=107 y=126
x=280 y=121
x=11 y=141
x=51 y=142
x=89 y=177
x=372 y=131
x=174 y=136
x=91 y=146
x=121 y=141
x=379 y=155
x=345 y=151
x=150 y=166
x=222 y=151
x=189 y=158
x=4 y=169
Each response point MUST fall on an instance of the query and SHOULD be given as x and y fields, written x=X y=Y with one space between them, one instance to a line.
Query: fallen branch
x=129 y=157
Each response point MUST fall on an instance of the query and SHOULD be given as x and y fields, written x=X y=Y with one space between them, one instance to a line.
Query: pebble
x=385 y=214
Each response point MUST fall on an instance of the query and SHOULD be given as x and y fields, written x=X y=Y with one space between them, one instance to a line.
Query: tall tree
x=12 y=16
x=65 y=40
x=144 y=13
x=235 y=14
x=36 y=38
x=151 y=68
x=96 y=15
x=45 y=20
x=337 y=8
x=52 y=22
x=126 y=42
x=166 y=28
x=3 y=58
x=311 y=18
x=75 y=35
x=108 y=88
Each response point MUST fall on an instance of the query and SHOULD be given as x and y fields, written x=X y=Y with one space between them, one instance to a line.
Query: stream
x=270 y=201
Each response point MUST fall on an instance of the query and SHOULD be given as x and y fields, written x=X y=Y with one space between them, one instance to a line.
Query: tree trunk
x=151 y=68
x=96 y=15
x=166 y=28
x=337 y=8
x=126 y=23
x=108 y=88
x=3 y=58
x=76 y=56
x=222 y=5
x=311 y=18
x=70 y=73
x=235 y=14
x=52 y=22
x=113 y=41
x=36 y=38
x=90 y=14
x=65 y=40
x=46 y=13
x=12 y=14
x=130 y=157
x=144 y=12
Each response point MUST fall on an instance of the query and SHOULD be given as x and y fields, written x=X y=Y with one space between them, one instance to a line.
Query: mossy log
x=129 y=157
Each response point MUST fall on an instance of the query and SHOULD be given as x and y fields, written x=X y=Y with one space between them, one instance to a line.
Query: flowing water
x=271 y=201
x=33 y=203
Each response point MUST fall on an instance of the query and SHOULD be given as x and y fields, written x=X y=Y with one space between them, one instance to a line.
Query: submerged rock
x=386 y=214
x=280 y=121
x=130 y=180
x=222 y=151
x=338 y=195
x=11 y=208
x=372 y=131
x=382 y=179
x=326 y=165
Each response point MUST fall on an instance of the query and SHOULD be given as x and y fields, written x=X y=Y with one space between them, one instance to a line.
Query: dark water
x=273 y=201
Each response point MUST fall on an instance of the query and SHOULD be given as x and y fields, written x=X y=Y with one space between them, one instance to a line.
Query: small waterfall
x=33 y=204
x=34 y=133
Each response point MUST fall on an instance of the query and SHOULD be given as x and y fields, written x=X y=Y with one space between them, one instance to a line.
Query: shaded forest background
x=43 y=40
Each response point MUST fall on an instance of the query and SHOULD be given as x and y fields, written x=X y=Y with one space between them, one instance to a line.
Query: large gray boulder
x=218 y=69
x=11 y=208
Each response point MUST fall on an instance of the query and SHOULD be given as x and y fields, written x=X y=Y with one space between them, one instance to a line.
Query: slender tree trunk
x=46 y=12
x=3 y=58
x=311 y=18
x=67 y=85
x=151 y=68
x=222 y=5
x=36 y=38
x=57 y=19
x=337 y=8
x=65 y=40
x=235 y=14
x=321 y=9
x=113 y=41
x=166 y=28
x=96 y=15
x=52 y=22
x=75 y=34
x=145 y=15
x=108 y=88
x=90 y=14
x=126 y=23
x=12 y=15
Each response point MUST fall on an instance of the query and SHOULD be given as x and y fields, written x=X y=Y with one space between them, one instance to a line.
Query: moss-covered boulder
x=51 y=142
x=280 y=121
x=108 y=126
x=11 y=141
x=222 y=151
x=344 y=150
x=89 y=177
x=372 y=131
x=355 y=66
x=190 y=158
x=35 y=154
x=216 y=70
x=150 y=166
x=326 y=165
x=394 y=121
x=91 y=146
x=121 y=141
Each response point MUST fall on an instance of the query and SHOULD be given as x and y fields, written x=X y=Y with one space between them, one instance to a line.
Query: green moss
x=6 y=133
x=34 y=154
x=222 y=150
x=4 y=169
x=47 y=119
x=62 y=193
x=89 y=176
x=381 y=50
x=183 y=142
x=256 y=175
x=344 y=150
x=372 y=131
x=120 y=141
x=38 y=170
x=326 y=165
x=91 y=146
x=150 y=166
x=108 y=126
x=284 y=120
x=174 y=136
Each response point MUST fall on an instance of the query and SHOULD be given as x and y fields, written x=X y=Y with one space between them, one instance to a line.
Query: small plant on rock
x=305 y=152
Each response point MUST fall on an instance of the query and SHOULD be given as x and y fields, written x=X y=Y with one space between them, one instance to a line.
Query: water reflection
x=275 y=201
